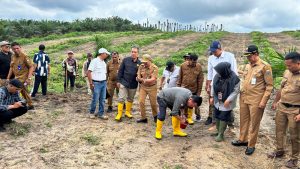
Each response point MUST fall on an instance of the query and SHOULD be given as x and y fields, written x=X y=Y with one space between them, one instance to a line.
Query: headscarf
x=225 y=80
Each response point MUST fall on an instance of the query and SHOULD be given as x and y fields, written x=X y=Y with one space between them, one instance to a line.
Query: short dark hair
x=135 y=47
x=294 y=56
x=42 y=47
x=197 y=99
x=15 y=44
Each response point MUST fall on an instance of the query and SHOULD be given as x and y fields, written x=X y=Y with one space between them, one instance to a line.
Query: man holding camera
x=170 y=76
x=11 y=105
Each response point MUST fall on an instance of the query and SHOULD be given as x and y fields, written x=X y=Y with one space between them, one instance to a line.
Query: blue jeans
x=99 y=94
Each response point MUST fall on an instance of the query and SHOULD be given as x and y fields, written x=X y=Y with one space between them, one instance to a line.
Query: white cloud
x=237 y=16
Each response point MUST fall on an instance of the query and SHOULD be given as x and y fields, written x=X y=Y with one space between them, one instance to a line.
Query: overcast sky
x=235 y=15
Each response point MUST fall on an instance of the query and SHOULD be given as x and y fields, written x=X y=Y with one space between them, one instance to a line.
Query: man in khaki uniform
x=112 y=75
x=147 y=77
x=191 y=77
x=287 y=102
x=255 y=93
x=22 y=67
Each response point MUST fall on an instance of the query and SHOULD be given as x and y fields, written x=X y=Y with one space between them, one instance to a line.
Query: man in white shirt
x=170 y=76
x=218 y=56
x=97 y=79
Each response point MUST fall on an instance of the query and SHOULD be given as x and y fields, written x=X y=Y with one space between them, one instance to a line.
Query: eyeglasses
x=7 y=46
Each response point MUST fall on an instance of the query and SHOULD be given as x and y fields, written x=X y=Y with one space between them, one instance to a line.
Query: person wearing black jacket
x=5 y=59
x=127 y=82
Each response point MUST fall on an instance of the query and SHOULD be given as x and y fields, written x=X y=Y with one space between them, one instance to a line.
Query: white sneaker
x=103 y=117
x=92 y=116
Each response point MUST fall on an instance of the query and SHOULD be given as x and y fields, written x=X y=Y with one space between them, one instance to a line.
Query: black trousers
x=7 y=115
x=71 y=79
x=37 y=81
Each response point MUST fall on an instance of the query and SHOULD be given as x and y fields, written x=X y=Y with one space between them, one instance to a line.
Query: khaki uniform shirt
x=112 y=70
x=191 y=78
x=148 y=73
x=290 y=92
x=257 y=83
x=20 y=66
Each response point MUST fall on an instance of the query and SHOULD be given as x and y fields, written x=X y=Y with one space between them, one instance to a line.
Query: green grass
x=126 y=47
x=199 y=47
x=26 y=41
x=295 y=34
x=91 y=139
x=43 y=150
x=19 y=129
x=48 y=124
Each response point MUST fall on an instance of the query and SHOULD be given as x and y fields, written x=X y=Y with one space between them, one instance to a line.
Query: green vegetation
x=56 y=113
x=295 y=34
x=43 y=150
x=19 y=129
x=125 y=47
x=91 y=139
x=15 y=29
x=25 y=41
x=270 y=55
x=199 y=47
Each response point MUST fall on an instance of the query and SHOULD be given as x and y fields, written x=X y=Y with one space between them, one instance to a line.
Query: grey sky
x=236 y=16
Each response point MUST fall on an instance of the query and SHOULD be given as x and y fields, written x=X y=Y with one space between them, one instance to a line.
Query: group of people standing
x=180 y=90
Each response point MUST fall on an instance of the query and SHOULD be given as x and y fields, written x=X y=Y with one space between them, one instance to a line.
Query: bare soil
x=165 y=47
x=282 y=42
x=61 y=135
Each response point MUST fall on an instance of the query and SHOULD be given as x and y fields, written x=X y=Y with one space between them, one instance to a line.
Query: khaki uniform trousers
x=151 y=92
x=283 y=121
x=250 y=117
x=25 y=95
x=111 y=86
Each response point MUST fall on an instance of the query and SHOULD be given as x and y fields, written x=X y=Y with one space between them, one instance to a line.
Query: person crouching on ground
x=11 y=105
x=226 y=87
x=177 y=99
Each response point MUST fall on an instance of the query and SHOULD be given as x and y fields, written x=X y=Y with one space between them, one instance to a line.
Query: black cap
x=193 y=57
x=251 y=50
x=197 y=99
x=169 y=65
x=17 y=83
x=186 y=56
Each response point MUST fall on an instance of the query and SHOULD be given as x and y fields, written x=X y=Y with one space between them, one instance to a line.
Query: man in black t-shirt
x=5 y=59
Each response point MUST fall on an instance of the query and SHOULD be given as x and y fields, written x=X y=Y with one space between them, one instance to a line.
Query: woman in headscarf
x=226 y=87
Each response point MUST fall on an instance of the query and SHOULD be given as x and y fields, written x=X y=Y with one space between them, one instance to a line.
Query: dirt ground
x=282 y=42
x=59 y=134
x=165 y=47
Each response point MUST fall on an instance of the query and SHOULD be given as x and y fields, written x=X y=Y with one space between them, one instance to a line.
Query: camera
x=23 y=102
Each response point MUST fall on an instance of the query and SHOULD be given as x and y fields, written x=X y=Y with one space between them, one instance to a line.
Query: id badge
x=253 y=80
x=220 y=96
x=19 y=67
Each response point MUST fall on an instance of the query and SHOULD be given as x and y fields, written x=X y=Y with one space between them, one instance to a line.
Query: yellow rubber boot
x=190 y=117
x=159 y=125
x=120 y=111
x=176 y=128
x=128 y=110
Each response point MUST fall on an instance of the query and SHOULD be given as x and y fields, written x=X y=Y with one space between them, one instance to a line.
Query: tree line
x=14 y=29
